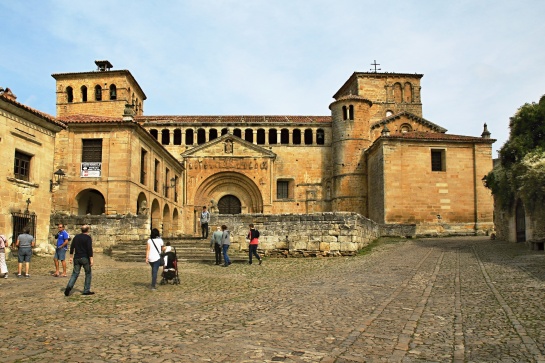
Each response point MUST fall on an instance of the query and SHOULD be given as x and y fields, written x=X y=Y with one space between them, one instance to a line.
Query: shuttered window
x=91 y=150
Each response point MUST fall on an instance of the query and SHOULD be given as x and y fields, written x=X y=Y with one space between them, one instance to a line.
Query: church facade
x=374 y=154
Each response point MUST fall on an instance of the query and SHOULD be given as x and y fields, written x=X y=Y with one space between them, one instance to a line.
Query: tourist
x=225 y=243
x=3 y=265
x=205 y=218
x=24 y=243
x=60 y=250
x=253 y=236
x=215 y=243
x=81 y=255
x=153 y=255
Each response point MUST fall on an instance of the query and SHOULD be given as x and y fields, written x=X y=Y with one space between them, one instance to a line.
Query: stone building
x=374 y=154
x=27 y=144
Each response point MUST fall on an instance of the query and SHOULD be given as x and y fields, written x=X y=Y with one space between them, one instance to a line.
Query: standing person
x=215 y=242
x=153 y=256
x=60 y=250
x=3 y=265
x=225 y=243
x=24 y=243
x=81 y=253
x=205 y=218
x=253 y=236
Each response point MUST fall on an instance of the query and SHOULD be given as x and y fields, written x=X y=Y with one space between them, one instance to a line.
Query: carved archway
x=155 y=215
x=166 y=232
x=229 y=204
x=231 y=183
x=90 y=201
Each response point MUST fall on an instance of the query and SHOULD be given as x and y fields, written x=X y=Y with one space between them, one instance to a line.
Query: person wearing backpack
x=253 y=236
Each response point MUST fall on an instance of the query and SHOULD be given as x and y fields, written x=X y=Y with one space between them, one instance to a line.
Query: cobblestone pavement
x=433 y=300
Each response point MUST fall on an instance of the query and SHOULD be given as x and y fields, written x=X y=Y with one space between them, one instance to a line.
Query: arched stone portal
x=90 y=201
x=230 y=183
x=166 y=232
x=155 y=215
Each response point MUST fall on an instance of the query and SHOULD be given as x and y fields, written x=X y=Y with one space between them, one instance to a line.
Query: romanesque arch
x=175 y=221
x=155 y=215
x=90 y=201
x=230 y=183
x=166 y=232
x=142 y=204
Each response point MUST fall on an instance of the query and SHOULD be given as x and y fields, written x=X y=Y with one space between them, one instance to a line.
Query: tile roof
x=42 y=115
x=436 y=136
x=234 y=119
x=87 y=119
x=411 y=116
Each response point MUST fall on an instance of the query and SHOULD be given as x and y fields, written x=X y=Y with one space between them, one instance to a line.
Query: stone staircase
x=188 y=249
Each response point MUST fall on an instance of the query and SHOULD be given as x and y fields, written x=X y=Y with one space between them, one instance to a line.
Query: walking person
x=3 y=265
x=225 y=243
x=253 y=236
x=205 y=219
x=153 y=255
x=62 y=238
x=25 y=242
x=215 y=243
x=81 y=255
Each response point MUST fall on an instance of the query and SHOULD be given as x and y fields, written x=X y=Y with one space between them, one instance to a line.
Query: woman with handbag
x=153 y=255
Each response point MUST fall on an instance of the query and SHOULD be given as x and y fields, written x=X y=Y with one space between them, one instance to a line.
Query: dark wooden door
x=229 y=204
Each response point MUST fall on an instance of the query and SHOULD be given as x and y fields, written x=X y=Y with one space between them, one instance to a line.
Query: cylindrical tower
x=350 y=138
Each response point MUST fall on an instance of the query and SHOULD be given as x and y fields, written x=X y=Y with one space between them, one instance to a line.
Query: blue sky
x=481 y=60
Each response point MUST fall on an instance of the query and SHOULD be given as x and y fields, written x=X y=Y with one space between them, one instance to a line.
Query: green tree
x=522 y=159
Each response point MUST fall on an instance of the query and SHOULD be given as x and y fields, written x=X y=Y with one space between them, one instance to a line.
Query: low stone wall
x=319 y=234
x=106 y=230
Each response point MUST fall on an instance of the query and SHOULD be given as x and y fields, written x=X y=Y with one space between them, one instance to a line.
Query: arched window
x=320 y=137
x=69 y=94
x=345 y=113
x=273 y=137
x=249 y=135
x=284 y=136
x=165 y=137
x=389 y=113
x=83 y=93
x=351 y=112
x=224 y=131
x=260 y=136
x=154 y=133
x=189 y=137
x=408 y=93
x=308 y=137
x=201 y=136
x=213 y=134
x=113 y=92
x=296 y=137
x=177 y=137
x=237 y=133
x=397 y=93
x=98 y=93
x=405 y=128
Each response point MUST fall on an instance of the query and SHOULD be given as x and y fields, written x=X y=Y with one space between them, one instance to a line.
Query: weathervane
x=375 y=64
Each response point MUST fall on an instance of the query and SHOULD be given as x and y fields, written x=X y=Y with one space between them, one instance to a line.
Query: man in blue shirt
x=60 y=250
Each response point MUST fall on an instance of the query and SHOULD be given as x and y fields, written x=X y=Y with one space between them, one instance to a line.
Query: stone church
x=374 y=155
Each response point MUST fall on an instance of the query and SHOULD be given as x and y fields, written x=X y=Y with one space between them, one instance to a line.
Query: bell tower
x=103 y=92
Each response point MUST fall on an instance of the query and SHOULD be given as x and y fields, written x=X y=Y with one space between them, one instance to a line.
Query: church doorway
x=520 y=221
x=229 y=204
x=90 y=201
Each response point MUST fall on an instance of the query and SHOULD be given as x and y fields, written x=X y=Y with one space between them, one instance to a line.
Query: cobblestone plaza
x=462 y=299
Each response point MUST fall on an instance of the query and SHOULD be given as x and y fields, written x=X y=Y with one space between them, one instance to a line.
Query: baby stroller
x=170 y=268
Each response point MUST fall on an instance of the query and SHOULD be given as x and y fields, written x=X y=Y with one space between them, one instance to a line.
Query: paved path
x=434 y=300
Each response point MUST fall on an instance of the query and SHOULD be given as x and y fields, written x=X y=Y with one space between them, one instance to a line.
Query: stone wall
x=106 y=230
x=318 y=234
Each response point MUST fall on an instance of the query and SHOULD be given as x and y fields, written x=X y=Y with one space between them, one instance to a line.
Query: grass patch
x=382 y=241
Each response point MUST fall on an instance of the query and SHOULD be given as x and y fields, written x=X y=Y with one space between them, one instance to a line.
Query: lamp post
x=59 y=175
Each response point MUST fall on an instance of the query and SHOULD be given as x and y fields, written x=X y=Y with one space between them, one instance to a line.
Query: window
x=350 y=112
x=201 y=136
x=308 y=137
x=156 y=176
x=83 y=94
x=189 y=137
x=22 y=166
x=69 y=94
x=224 y=131
x=212 y=134
x=165 y=137
x=167 y=183
x=177 y=137
x=98 y=93
x=154 y=133
x=438 y=162
x=91 y=151
x=237 y=133
x=284 y=188
x=260 y=136
x=143 y=166
x=273 y=137
x=405 y=128
x=249 y=135
x=296 y=137
x=320 y=137
x=284 y=136
x=113 y=92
